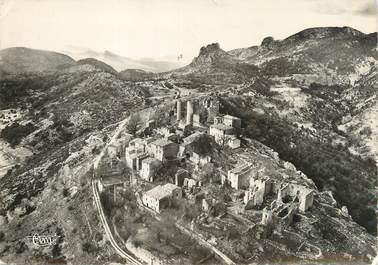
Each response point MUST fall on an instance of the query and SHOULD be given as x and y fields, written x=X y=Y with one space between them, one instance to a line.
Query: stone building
x=161 y=196
x=267 y=217
x=150 y=166
x=304 y=195
x=224 y=130
x=162 y=149
x=180 y=176
x=224 y=135
x=189 y=142
x=190 y=183
x=134 y=160
x=232 y=121
x=207 y=204
x=258 y=189
x=110 y=182
x=306 y=200
x=200 y=160
x=239 y=176
x=234 y=142
x=108 y=167
x=221 y=132
x=196 y=120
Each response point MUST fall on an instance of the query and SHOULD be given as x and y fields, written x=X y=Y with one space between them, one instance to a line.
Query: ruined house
x=190 y=183
x=150 y=166
x=296 y=192
x=199 y=160
x=239 y=176
x=180 y=175
x=110 y=182
x=267 y=217
x=109 y=167
x=134 y=160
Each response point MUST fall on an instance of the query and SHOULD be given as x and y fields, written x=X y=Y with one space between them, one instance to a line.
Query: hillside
x=22 y=60
x=320 y=80
x=98 y=64
x=135 y=75
x=51 y=121
x=308 y=110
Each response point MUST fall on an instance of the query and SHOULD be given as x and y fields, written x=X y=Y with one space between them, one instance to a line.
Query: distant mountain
x=135 y=75
x=312 y=98
x=98 y=64
x=333 y=54
x=323 y=80
x=20 y=60
x=120 y=63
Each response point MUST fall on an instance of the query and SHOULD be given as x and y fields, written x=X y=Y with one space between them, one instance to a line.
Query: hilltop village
x=199 y=160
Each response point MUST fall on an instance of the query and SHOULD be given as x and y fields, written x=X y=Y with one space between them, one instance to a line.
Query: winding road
x=130 y=260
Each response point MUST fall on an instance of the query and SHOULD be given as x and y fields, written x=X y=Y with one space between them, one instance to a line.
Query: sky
x=167 y=28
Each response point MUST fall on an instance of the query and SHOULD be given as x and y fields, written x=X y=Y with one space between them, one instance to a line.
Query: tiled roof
x=193 y=137
x=240 y=168
x=152 y=161
x=160 y=192
x=109 y=181
x=162 y=142
x=231 y=117
x=222 y=127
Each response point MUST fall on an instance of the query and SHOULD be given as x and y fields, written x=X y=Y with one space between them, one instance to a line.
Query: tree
x=202 y=145
x=107 y=203
x=207 y=172
x=224 y=140
x=133 y=124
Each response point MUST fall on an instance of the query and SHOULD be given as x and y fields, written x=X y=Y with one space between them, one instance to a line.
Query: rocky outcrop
x=211 y=54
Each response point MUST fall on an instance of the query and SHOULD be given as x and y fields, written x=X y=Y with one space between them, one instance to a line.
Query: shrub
x=89 y=247
x=66 y=192
x=14 y=133
x=107 y=203
x=133 y=124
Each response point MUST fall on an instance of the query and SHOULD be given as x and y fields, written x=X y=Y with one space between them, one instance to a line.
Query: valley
x=260 y=154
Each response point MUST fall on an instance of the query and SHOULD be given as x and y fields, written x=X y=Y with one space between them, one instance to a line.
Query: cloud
x=340 y=7
x=369 y=9
x=5 y=7
x=330 y=7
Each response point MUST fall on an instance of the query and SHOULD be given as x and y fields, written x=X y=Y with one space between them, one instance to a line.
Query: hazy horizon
x=165 y=29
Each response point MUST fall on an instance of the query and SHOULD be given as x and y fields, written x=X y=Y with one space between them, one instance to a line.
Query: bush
x=14 y=133
x=89 y=247
x=203 y=145
x=66 y=192
x=107 y=203
x=133 y=124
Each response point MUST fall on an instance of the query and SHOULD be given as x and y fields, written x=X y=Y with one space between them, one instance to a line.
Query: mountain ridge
x=120 y=63
x=21 y=59
x=293 y=104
